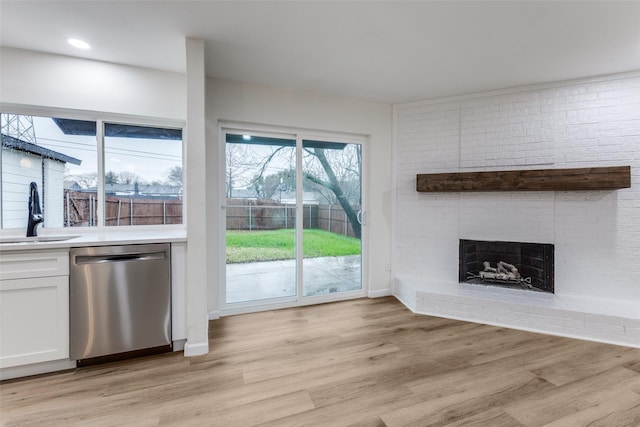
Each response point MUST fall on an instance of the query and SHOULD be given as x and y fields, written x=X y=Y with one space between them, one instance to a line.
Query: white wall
x=44 y=80
x=587 y=123
x=275 y=106
x=196 y=204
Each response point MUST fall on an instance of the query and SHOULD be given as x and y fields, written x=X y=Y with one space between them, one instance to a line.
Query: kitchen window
x=143 y=175
x=139 y=184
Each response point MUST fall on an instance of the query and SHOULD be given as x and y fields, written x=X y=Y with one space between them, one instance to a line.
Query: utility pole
x=19 y=127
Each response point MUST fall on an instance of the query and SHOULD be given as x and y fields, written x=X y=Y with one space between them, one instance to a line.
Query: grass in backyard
x=272 y=245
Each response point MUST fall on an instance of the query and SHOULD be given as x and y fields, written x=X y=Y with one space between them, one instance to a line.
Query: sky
x=150 y=159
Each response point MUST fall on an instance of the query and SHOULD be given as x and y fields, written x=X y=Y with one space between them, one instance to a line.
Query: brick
x=576 y=125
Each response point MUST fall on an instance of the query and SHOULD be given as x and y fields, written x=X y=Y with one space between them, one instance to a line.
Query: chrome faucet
x=35 y=213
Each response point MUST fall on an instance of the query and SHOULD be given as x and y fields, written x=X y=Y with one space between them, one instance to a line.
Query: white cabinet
x=34 y=307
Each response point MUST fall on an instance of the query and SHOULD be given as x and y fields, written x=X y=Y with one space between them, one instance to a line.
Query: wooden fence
x=245 y=214
x=81 y=209
x=332 y=218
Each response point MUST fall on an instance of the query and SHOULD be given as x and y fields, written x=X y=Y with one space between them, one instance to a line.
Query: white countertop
x=78 y=237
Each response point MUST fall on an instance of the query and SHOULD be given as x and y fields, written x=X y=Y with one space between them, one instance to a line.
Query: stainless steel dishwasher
x=120 y=301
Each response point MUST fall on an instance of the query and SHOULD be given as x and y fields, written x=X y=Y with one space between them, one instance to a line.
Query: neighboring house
x=143 y=191
x=23 y=163
x=246 y=194
x=308 y=198
x=70 y=185
x=284 y=197
x=137 y=191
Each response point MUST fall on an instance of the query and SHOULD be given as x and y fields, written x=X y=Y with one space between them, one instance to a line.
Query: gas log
x=503 y=272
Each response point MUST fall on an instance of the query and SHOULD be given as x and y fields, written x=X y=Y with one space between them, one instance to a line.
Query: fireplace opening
x=516 y=265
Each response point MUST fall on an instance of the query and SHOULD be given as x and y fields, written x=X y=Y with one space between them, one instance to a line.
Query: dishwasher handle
x=101 y=259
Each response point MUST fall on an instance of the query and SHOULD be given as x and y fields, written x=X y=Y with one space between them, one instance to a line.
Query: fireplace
x=508 y=264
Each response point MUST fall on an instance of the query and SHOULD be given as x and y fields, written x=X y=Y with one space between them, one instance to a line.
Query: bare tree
x=331 y=182
x=126 y=177
x=334 y=172
x=279 y=182
x=239 y=163
x=111 y=177
x=85 y=180
x=345 y=164
x=174 y=176
x=247 y=165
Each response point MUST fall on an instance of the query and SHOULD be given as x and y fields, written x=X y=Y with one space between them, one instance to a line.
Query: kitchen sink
x=35 y=239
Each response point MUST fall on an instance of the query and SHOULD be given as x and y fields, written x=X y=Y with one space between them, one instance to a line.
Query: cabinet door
x=34 y=320
x=40 y=263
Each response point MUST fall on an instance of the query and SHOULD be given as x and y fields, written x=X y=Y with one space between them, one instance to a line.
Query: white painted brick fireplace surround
x=586 y=123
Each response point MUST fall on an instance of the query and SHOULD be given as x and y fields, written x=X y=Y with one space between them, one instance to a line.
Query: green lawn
x=271 y=245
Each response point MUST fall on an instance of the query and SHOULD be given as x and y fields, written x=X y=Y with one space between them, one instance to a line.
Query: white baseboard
x=379 y=293
x=406 y=302
x=196 y=349
x=214 y=315
x=178 y=345
x=405 y=294
x=36 y=369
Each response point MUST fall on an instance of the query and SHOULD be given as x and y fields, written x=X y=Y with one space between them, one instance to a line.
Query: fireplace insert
x=517 y=265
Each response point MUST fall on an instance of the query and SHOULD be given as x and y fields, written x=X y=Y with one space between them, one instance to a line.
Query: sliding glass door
x=293 y=218
x=260 y=187
x=332 y=244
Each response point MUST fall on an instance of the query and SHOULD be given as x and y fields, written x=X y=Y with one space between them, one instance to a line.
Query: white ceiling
x=389 y=51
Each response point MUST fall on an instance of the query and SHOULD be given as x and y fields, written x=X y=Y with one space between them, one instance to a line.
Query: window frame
x=102 y=118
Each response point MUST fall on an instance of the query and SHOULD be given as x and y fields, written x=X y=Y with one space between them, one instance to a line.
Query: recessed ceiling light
x=80 y=44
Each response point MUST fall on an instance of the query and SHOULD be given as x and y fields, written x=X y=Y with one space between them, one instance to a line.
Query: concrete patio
x=277 y=279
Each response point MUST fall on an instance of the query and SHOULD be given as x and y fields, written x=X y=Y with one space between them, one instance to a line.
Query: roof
x=143 y=189
x=86 y=127
x=20 y=145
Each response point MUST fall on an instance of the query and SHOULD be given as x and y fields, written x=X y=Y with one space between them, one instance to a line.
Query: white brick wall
x=593 y=122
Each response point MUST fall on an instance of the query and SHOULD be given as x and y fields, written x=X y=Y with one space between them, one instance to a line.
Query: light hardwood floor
x=360 y=363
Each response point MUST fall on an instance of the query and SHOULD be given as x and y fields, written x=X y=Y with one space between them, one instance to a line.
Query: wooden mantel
x=600 y=178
